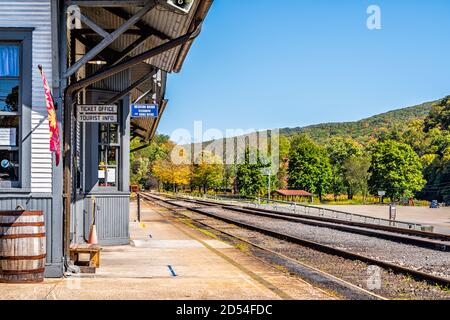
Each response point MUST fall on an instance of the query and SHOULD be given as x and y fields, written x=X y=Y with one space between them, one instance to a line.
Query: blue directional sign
x=144 y=110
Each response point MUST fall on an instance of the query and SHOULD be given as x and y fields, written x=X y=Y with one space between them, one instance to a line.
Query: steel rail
x=430 y=244
x=342 y=287
x=363 y=230
x=416 y=233
x=418 y=275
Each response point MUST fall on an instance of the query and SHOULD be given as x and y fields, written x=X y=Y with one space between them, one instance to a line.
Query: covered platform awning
x=155 y=25
x=118 y=53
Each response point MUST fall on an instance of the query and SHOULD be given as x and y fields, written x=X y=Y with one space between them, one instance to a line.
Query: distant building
x=294 y=195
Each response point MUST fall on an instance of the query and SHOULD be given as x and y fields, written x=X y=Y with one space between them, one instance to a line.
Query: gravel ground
x=426 y=260
x=393 y=286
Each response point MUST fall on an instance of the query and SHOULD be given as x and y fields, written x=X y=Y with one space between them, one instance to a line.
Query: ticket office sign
x=97 y=113
x=91 y=118
x=96 y=109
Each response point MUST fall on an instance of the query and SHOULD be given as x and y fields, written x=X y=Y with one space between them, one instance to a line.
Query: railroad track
x=438 y=241
x=321 y=279
x=426 y=240
x=203 y=206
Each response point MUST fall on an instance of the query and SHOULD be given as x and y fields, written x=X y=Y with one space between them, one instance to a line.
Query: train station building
x=106 y=64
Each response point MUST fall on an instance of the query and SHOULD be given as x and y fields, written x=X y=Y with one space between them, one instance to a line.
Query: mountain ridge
x=362 y=130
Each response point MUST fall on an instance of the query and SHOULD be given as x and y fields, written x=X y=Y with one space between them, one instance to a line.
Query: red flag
x=52 y=119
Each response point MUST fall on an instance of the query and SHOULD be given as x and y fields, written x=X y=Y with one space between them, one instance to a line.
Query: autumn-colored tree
x=207 y=171
x=143 y=159
x=171 y=174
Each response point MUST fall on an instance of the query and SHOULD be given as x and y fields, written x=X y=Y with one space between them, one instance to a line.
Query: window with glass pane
x=10 y=114
x=108 y=155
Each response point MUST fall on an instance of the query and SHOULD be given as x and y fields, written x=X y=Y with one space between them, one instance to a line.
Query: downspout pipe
x=68 y=104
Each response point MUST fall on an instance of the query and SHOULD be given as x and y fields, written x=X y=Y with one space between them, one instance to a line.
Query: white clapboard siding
x=36 y=14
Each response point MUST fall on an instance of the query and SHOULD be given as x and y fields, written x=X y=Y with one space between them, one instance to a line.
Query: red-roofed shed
x=294 y=195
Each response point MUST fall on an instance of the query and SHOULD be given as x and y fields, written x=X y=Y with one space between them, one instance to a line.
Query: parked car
x=434 y=204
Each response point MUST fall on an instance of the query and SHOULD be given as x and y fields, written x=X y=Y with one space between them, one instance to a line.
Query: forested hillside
x=362 y=130
x=405 y=153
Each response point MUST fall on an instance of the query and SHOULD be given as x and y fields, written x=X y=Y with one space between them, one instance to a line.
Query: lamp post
x=268 y=172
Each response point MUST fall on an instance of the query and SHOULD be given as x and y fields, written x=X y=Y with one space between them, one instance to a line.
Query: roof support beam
x=122 y=94
x=146 y=93
x=88 y=31
x=123 y=54
x=136 y=44
x=108 y=54
x=131 y=62
x=110 y=38
x=112 y=56
x=91 y=24
x=125 y=3
x=122 y=13
x=137 y=127
x=162 y=108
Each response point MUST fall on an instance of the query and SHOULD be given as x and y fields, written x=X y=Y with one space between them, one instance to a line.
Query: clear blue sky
x=268 y=64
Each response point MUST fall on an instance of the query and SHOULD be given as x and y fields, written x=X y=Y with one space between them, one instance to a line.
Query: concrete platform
x=167 y=260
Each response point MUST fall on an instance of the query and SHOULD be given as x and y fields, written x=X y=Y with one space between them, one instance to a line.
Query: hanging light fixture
x=97 y=62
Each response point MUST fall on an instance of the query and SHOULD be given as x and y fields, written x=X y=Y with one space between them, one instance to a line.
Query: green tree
x=340 y=149
x=229 y=175
x=439 y=116
x=437 y=170
x=142 y=160
x=139 y=171
x=309 y=167
x=356 y=171
x=436 y=153
x=249 y=177
x=396 y=169
x=282 y=174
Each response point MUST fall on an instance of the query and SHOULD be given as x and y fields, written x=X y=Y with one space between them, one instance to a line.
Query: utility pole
x=268 y=172
x=139 y=207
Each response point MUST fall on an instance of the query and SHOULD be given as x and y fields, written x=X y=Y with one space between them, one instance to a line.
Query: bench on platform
x=86 y=256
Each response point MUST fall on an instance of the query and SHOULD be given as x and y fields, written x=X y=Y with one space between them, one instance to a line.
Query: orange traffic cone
x=93 y=235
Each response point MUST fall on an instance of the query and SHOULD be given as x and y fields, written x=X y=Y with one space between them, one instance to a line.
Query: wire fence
x=308 y=210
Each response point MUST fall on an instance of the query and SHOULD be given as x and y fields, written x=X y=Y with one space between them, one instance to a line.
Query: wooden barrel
x=22 y=246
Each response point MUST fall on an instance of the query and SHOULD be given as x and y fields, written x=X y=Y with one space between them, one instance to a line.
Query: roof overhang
x=155 y=28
